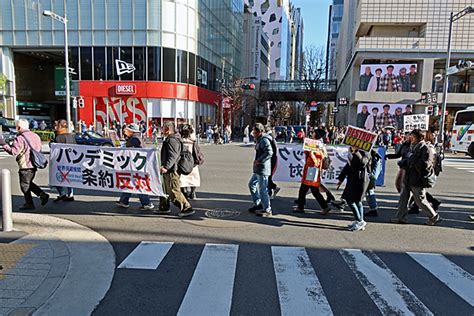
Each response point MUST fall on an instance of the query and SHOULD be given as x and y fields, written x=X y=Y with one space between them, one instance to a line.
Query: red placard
x=125 y=89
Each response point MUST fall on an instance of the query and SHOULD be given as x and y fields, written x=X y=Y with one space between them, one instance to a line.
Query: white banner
x=411 y=122
x=291 y=160
x=133 y=170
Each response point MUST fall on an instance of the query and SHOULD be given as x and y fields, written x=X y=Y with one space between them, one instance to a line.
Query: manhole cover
x=222 y=213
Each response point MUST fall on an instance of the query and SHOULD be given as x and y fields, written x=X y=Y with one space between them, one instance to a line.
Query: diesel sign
x=125 y=89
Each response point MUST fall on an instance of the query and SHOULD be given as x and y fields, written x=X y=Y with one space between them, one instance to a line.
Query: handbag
x=37 y=158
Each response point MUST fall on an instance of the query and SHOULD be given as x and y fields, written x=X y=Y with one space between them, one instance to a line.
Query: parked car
x=8 y=130
x=93 y=139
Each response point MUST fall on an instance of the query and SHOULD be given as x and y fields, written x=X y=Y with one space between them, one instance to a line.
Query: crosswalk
x=463 y=164
x=300 y=276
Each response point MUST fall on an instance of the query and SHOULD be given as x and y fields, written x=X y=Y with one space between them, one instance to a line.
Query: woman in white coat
x=190 y=182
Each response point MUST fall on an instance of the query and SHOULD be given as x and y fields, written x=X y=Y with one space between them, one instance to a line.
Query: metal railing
x=298 y=85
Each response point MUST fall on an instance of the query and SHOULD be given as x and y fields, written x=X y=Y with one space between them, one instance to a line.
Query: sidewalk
x=58 y=268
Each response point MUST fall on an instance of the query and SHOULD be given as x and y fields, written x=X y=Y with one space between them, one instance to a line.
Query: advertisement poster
x=389 y=78
x=132 y=170
x=359 y=138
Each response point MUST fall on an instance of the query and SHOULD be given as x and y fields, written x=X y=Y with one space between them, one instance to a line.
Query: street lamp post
x=64 y=21
x=452 y=18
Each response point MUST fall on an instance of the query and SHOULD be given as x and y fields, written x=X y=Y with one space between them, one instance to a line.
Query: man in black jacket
x=419 y=168
x=170 y=155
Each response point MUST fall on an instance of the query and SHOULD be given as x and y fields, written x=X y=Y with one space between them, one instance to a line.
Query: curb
x=81 y=269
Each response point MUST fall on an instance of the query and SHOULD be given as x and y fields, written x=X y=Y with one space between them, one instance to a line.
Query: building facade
x=404 y=40
x=336 y=10
x=132 y=60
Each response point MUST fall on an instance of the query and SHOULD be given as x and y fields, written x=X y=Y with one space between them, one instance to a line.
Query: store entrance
x=39 y=81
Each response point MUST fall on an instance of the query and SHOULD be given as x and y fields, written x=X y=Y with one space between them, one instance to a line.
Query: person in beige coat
x=190 y=182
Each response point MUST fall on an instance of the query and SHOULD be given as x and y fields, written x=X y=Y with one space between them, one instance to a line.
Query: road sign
x=429 y=97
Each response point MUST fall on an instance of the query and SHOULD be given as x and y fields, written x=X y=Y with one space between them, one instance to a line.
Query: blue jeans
x=358 y=210
x=371 y=200
x=65 y=191
x=258 y=186
x=144 y=199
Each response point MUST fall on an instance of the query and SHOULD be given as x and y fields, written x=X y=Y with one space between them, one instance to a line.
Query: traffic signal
x=248 y=86
x=81 y=102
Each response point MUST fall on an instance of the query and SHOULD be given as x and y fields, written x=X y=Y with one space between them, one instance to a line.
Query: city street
x=224 y=259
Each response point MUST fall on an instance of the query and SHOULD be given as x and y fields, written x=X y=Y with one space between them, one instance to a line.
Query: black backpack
x=186 y=161
x=37 y=158
x=198 y=156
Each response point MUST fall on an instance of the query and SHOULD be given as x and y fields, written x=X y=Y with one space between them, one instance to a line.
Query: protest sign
x=132 y=170
x=359 y=138
x=411 y=122
x=312 y=144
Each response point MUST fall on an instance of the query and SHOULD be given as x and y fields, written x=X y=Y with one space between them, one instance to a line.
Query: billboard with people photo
x=376 y=116
x=389 y=78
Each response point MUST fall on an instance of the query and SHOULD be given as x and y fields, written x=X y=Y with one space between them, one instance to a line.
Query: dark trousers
x=317 y=195
x=27 y=186
x=329 y=196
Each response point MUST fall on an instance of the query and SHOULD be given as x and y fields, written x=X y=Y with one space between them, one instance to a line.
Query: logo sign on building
x=411 y=122
x=256 y=48
x=202 y=76
x=123 y=67
x=359 y=138
x=132 y=170
x=125 y=89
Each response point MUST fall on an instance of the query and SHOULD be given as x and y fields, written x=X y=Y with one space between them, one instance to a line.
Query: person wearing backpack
x=172 y=154
x=419 y=176
x=22 y=149
x=190 y=182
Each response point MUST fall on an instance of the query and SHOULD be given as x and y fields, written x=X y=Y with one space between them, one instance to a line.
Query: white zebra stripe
x=147 y=255
x=387 y=291
x=456 y=278
x=299 y=289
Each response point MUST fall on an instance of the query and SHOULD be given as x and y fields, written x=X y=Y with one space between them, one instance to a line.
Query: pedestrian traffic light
x=81 y=102
x=248 y=86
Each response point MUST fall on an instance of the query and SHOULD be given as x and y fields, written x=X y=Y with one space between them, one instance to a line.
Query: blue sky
x=315 y=15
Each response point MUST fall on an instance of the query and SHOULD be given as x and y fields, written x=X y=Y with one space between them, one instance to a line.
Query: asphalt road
x=214 y=266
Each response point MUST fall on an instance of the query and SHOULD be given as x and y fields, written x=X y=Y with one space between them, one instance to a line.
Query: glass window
x=192 y=68
x=465 y=118
x=86 y=18
x=74 y=62
x=86 y=63
x=99 y=63
x=113 y=14
x=112 y=55
x=139 y=14
x=126 y=56
x=99 y=14
x=169 y=64
x=154 y=63
x=139 y=62
x=125 y=15
x=182 y=66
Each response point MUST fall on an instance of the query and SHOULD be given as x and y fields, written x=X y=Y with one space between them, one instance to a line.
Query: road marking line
x=465 y=168
x=147 y=255
x=299 y=289
x=210 y=290
x=456 y=278
x=387 y=291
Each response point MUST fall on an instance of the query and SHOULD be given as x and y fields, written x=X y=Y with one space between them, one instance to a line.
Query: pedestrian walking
x=63 y=136
x=355 y=171
x=190 y=182
x=170 y=156
x=419 y=176
x=21 y=149
x=374 y=170
x=273 y=189
x=311 y=179
x=134 y=140
x=258 y=184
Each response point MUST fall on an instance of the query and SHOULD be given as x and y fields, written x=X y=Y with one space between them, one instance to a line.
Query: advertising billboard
x=374 y=116
x=389 y=78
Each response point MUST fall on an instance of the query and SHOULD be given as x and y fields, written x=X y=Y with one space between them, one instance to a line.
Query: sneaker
x=434 y=220
x=255 y=208
x=148 y=207
x=471 y=217
x=262 y=213
x=326 y=211
x=298 y=209
x=122 y=205
x=371 y=213
x=351 y=225
x=399 y=221
x=68 y=199
x=275 y=192
x=59 y=198
x=359 y=226
x=339 y=203
x=186 y=212
x=192 y=196
x=44 y=198
x=27 y=207
x=162 y=211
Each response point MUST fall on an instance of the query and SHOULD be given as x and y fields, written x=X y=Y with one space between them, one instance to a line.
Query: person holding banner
x=355 y=171
x=311 y=179
x=133 y=140
x=64 y=137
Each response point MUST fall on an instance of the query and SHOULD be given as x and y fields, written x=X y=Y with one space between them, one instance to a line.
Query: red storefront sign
x=125 y=89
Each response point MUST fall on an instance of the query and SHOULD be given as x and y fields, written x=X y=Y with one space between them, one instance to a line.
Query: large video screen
x=375 y=116
x=389 y=78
